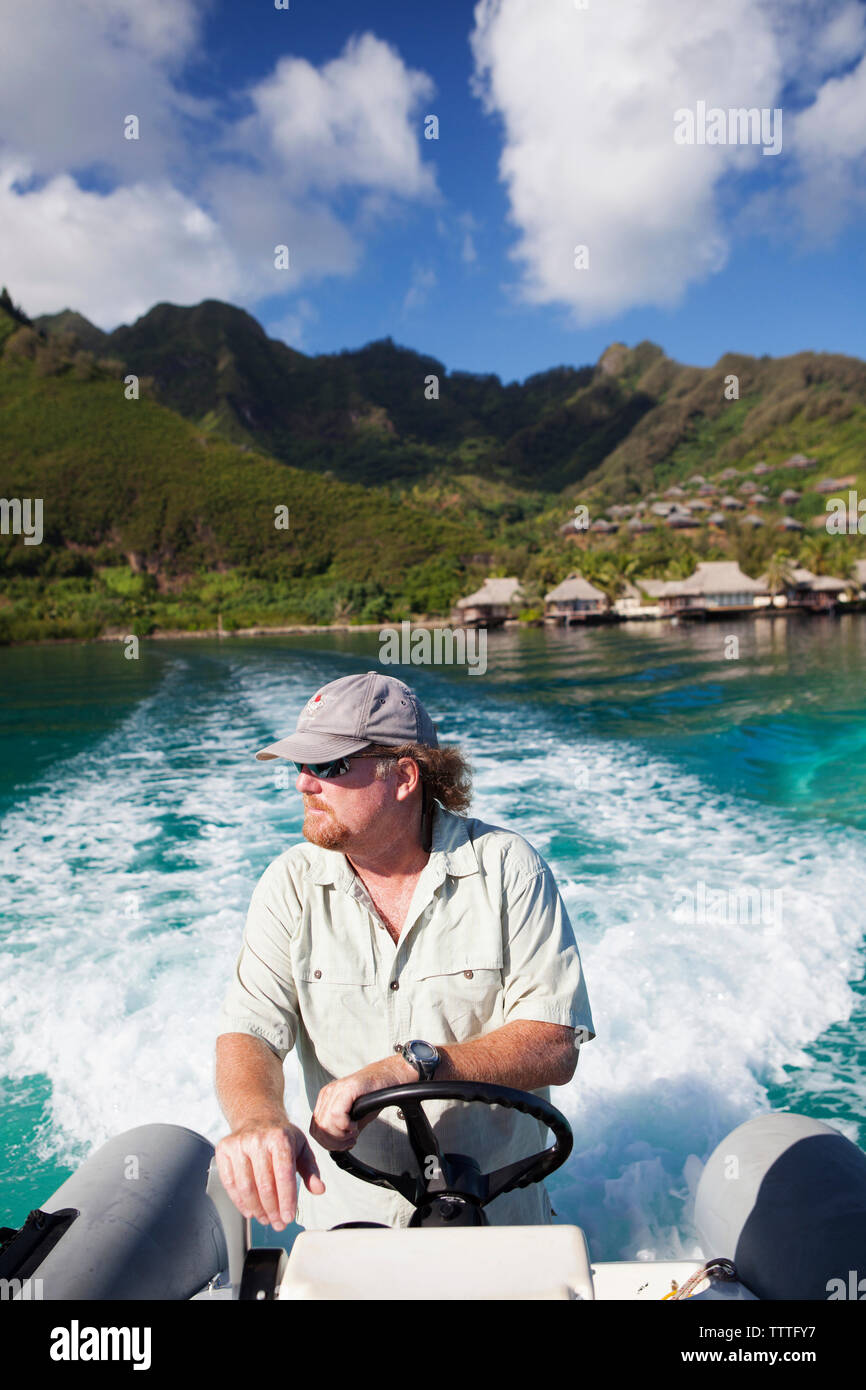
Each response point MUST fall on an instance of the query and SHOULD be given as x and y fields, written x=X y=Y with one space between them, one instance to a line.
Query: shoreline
x=302 y=630
x=172 y=634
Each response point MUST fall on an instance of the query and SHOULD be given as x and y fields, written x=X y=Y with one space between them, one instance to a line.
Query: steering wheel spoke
x=425 y=1146
x=404 y=1183
x=507 y=1178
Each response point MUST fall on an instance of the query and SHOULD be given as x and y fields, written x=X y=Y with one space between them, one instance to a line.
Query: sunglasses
x=337 y=766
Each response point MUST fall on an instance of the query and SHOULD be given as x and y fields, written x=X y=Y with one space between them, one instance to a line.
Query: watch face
x=423 y=1051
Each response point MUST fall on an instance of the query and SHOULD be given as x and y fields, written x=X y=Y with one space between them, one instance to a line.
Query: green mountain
x=364 y=415
x=635 y=419
x=812 y=403
x=140 y=507
x=160 y=511
x=69 y=322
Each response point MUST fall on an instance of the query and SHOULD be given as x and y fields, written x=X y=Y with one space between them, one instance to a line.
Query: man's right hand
x=259 y=1165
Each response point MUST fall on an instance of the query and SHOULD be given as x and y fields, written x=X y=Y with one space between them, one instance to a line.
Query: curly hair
x=445 y=772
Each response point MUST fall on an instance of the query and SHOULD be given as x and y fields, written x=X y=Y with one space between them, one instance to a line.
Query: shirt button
x=317 y=974
x=468 y=974
x=395 y=984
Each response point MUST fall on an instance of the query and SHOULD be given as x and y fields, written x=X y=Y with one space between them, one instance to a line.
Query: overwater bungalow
x=491 y=605
x=819 y=592
x=652 y=588
x=575 y=600
x=716 y=586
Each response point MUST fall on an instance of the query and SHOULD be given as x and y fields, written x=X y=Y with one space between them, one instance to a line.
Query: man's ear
x=407 y=784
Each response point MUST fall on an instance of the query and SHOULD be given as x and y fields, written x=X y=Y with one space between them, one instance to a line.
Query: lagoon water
x=647 y=767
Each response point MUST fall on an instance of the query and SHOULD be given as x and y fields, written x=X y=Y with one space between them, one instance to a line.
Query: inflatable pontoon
x=780 y=1214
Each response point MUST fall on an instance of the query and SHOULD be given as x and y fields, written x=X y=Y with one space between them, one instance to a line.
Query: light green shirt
x=486 y=940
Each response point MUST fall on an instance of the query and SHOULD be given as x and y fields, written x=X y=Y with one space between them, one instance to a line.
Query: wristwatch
x=423 y=1056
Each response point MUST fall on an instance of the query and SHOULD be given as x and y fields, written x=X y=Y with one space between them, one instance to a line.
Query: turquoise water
x=651 y=772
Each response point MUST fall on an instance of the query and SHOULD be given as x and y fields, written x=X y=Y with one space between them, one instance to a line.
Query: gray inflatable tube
x=146 y=1228
x=784 y=1197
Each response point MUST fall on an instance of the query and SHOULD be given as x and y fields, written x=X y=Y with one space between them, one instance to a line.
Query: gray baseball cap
x=349 y=714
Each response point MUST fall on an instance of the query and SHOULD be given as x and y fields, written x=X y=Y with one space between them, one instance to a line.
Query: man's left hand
x=331 y=1125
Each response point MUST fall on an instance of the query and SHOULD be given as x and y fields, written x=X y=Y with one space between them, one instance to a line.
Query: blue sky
x=305 y=127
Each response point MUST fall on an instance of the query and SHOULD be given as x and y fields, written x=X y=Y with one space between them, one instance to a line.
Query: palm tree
x=680 y=566
x=779 y=572
x=608 y=579
x=816 y=553
x=531 y=599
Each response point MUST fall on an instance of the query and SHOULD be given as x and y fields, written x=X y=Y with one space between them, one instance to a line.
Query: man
x=404 y=940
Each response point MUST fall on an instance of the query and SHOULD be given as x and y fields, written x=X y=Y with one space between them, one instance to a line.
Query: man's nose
x=306 y=781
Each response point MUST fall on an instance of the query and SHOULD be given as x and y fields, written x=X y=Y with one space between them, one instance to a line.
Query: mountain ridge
x=361 y=414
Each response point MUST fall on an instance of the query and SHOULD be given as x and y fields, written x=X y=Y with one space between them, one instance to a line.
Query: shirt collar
x=452 y=853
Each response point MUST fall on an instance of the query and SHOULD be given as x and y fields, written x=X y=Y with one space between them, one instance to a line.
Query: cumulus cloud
x=831 y=145
x=196 y=206
x=587 y=101
x=347 y=123
x=71 y=73
x=109 y=255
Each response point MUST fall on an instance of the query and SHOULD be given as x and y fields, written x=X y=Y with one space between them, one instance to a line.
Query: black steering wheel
x=450 y=1188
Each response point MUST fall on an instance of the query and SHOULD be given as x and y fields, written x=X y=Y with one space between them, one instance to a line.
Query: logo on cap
x=314 y=705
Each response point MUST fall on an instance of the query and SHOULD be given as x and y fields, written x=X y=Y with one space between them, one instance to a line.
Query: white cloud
x=831 y=143
x=71 y=72
x=110 y=256
x=350 y=123
x=459 y=231
x=196 y=206
x=291 y=329
x=587 y=100
x=423 y=281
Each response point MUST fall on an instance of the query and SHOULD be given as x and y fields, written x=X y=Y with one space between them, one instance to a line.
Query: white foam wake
x=127 y=876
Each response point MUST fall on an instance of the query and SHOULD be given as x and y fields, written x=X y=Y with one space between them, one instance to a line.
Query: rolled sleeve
x=544 y=979
x=261 y=999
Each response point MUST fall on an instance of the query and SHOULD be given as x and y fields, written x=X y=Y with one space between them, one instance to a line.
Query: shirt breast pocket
x=458 y=1001
x=337 y=1008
